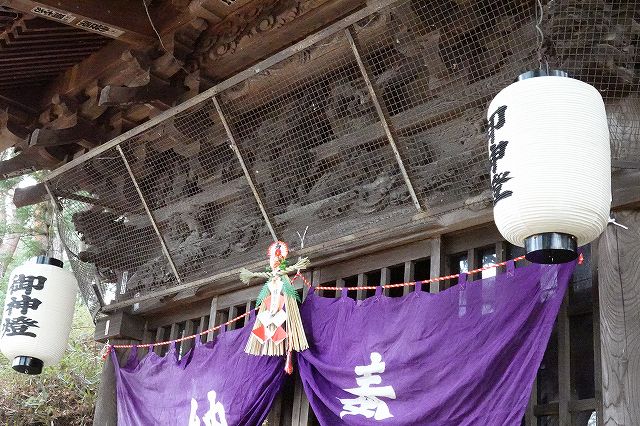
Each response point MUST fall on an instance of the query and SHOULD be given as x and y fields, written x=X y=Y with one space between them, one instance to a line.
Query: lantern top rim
x=542 y=73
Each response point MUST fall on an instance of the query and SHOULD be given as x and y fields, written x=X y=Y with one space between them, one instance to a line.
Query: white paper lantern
x=37 y=314
x=550 y=164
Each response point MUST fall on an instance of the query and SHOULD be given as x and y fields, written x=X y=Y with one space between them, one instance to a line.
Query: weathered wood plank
x=596 y=331
x=619 y=294
x=159 y=338
x=529 y=416
x=564 y=364
x=362 y=282
x=189 y=329
x=436 y=262
x=212 y=317
x=385 y=278
x=409 y=273
x=106 y=413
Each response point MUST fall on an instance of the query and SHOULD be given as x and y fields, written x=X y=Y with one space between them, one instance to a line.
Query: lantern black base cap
x=27 y=365
x=46 y=260
x=551 y=248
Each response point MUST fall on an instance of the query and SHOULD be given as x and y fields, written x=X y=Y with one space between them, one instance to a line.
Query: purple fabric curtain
x=465 y=356
x=215 y=384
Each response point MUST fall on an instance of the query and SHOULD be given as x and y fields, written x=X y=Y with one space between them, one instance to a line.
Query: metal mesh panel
x=197 y=193
x=108 y=236
x=598 y=42
x=438 y=65
x=315 y=148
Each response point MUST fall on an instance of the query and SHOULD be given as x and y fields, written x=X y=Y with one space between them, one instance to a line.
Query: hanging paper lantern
x=550 y=164
x=38 y=311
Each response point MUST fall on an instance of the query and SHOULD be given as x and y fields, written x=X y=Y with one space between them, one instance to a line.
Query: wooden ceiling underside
x=77 y=74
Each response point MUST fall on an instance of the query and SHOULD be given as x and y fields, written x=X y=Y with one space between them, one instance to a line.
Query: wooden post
x=106 y=412
x=362 y=282
x=564 y=364
x=619 y=294
x=212 y=318
x=436 y=261
x=409 y=273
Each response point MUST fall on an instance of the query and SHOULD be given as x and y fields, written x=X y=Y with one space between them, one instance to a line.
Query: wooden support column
x=385 y=278
x=362 y=282
x=189 y=329
x=619 y=296
x=106 y=411
x=409 y=273
x=436 y=263
x=212 y=318
x=564 y=364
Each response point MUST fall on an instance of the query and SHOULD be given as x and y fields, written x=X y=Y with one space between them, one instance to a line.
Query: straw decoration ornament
x=278 y=328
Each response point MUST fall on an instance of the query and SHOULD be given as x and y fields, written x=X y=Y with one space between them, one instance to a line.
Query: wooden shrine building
x=180 y=137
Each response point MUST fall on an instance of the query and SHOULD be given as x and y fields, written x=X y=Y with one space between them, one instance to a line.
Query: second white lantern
x=550 y=164
x=38 y=312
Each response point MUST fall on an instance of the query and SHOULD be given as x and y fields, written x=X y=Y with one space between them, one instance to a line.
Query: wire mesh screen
x=109 y=239
x=598 y=42
x=315 y=145
x=197 y=192
x=437 y=64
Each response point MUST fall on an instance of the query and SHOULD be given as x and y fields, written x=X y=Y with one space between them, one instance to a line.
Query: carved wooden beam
x=83 y=133
x=29 y=160
x=105 y=64
x=235 y=43
x=157 y=92
x=29 y=195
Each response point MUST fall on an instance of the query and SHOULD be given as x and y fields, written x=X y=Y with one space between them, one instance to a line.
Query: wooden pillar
x=436 y=261
x=619 y=295
x=106 y=411
x=118 y=328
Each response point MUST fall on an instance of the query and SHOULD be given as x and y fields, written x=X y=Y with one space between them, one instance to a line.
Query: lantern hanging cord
x=108 y=347
x=540 y=35
x=146 y=9
x=51 y=214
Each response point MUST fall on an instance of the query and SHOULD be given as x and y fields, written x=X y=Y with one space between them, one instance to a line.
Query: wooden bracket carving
x=156 y=92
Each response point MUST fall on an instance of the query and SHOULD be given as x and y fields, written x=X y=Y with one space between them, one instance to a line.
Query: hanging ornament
x=278 y=327
x=550 y=164
x=38 y=311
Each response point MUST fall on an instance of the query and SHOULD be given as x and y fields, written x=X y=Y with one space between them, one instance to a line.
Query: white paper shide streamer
x=550 y=165
x=37 y=315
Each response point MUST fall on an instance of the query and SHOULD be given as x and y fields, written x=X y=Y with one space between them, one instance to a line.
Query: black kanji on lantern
x=496 y=121
x=27 y=283
x=24 y=305
x=496 y=186
x=19 y=326
x=496 y=152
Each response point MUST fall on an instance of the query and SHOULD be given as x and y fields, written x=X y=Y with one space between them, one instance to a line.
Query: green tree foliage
x=63 y=394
